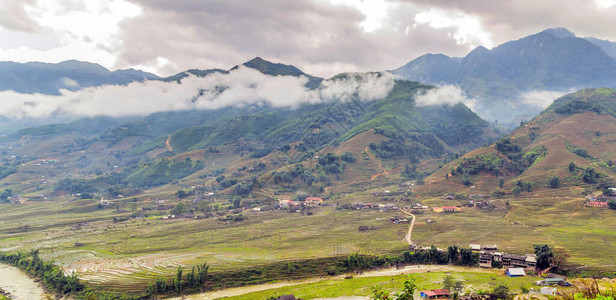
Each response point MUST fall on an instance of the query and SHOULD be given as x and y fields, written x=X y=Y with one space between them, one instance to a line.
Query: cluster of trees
x=155 y=173
x=7 y=170
x=299 y=171
x=522 y=186
x=5 y=195
x=191 y=280
x=330 y=163
x=474 y=165
x=52 y=276
x=410 y=173
x=396 y=146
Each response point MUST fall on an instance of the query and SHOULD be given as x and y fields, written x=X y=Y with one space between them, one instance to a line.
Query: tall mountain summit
x=551 y=60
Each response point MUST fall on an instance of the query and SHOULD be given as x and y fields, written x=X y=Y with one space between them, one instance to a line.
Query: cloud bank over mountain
x=241 y=87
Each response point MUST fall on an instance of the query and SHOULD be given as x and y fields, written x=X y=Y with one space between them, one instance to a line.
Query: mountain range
x=552 y=60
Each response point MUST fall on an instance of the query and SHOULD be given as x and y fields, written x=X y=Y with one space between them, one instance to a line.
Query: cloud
x=447 y=94
x=241 y=87
x=539 y=98
x=322 y=37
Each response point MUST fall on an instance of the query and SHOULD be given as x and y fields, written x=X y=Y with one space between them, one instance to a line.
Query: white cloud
x=447 y=94
x=240 y=87
x=604 y=4
x=541 y=99
x=82 y=29
x=466 y=29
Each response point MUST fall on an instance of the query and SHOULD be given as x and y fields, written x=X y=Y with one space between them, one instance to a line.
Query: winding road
x=409 y=234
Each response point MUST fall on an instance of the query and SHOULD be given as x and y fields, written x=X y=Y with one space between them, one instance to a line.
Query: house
x=519 y=261
x=485 y=259
x=552 y=281
x=489 y=248
x=313 y=200
x=447 y=209
x=434 y=294
x=286 y=203
x=515 y=272
x=596 y=204
x=475 y=247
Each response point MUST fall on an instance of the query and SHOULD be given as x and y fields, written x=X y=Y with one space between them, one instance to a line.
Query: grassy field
x=473 y=279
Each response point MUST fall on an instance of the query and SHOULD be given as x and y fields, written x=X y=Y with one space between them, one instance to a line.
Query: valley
x=262 y=180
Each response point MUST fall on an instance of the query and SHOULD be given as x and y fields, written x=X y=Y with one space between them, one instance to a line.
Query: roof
x=553 y=279
x=313 y=199
x=433 y=293
x=516 y=272
x=441 y=292
x=596 y=203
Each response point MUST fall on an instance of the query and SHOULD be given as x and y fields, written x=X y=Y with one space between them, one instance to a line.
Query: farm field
x=127 y=255
x=426 y=278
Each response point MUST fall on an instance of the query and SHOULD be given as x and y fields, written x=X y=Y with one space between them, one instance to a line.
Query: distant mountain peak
x=560 y=32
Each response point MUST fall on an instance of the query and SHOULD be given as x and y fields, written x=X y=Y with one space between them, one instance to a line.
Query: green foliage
x=261 y=152
x=506 y=146
x=516 y=190
x=348 y=157
x=480 y=163
x=535 y=155
x=589 y=175
x=7 y=170
x=611 y=204
x=163 y=171
x=51 y=275
x=466 y=181
x=577 y=151
x=5 y=195
x=501 y=291
x=179 y=208
x=571 y=167
x=544 y=254
x=501 y=182
x=330 y=163
x=554 y=182
x=408 y=290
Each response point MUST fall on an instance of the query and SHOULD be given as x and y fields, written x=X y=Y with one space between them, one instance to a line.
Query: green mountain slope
x=572 y=140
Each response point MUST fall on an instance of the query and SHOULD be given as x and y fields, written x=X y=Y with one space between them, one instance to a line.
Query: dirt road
x=409 y=234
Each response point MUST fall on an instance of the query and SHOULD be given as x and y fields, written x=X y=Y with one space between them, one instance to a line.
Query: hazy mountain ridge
x=552 y=60
x=72 y=75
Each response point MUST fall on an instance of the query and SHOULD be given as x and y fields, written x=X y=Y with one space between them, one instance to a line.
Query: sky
x=321 y=37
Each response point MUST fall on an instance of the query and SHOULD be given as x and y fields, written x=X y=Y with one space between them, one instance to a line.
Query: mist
x=539 y=98
x=444 y=95
x=241 y=87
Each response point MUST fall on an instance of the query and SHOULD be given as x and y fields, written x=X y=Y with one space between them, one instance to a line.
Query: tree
x=516 y=190
x=528 y=187
x=448 y=283
x=179 y=208
x=571 y=167
x=379 y=294
x=559 y=257
x=408 y=290
x=544 y=255
x=348 y=157
x=611 y=204
x=237 y=203
x=554 y=182
x=453 y=253
x=501 y=291
x=501 y=182
x=589 y=175
x=466 y=181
